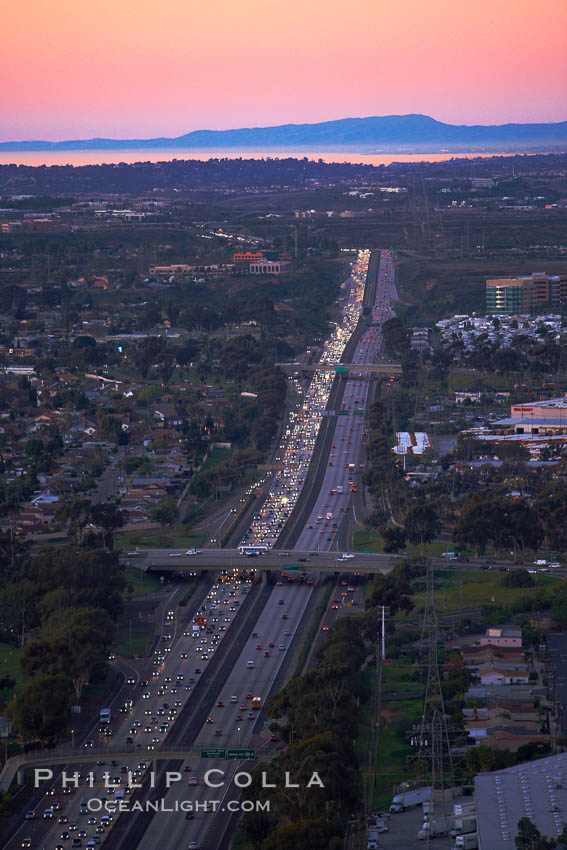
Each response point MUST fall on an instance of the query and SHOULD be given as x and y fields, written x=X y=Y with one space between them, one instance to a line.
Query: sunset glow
x=141 y=68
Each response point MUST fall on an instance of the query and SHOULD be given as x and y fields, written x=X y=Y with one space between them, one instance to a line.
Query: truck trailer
x=372 y=839
x=464 y=824
x=410 y=798
x=433 y=828
x=466 y=842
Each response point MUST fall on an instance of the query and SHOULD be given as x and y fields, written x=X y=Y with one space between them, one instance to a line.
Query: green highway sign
x=359 y=412
x=242 y=754
x=340 y=369
x=213 y=754
x=289 y=567
x=343 y=412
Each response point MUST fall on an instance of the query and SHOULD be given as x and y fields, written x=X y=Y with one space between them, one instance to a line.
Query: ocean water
x=99 y=157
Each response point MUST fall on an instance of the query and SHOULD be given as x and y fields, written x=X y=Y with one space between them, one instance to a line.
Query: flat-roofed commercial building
x=536 y=790
x=552 y=409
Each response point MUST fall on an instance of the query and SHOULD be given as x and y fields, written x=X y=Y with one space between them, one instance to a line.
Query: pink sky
x=142 y=68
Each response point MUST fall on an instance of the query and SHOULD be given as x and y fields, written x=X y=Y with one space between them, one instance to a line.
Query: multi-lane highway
x=144 y=720
x=345 y=462
x=200 y=693
x=232 y=724
x=299 y=444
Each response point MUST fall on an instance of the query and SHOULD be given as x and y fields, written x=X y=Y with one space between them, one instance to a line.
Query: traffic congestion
x=297 y=449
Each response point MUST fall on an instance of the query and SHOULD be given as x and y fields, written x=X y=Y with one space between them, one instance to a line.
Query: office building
x=525 y=294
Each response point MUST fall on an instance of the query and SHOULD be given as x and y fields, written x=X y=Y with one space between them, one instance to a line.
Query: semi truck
x=433 y=828
x=256 y=702
x=464 y=824
x=466 y=842
x=410 y=798
x=372 y=839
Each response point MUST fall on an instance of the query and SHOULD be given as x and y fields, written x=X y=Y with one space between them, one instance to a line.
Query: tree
x=165 y=512
x=18 y=601
x=75 y=515
x=559 y=605
x=40 y=710
x=311 y=833
x=109 y=427
x=480 y=759
x=555 y=524
x=422 y=523
x=165 y=366
x=394 y=537
x=70 y=643
x=391 y=590
x=256 y=827
x=529 y=837
x=518 y=578
x=193 y=442
x=108 y=518
x=200 y=486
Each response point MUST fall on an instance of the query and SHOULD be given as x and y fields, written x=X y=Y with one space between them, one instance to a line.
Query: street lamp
x=238 y=730
x=73 y=738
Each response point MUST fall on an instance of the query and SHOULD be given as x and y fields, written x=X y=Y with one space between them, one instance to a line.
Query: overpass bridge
x=17 y=765
x=293 y=562
x=175 y=561
x=384 y=367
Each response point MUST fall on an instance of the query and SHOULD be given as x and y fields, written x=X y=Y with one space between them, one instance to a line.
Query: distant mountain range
x=403 y=133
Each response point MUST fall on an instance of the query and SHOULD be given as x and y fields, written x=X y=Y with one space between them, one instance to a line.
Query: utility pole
x=434 y=755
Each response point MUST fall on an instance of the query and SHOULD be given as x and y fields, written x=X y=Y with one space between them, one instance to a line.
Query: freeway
x=314 y=484
x=310 y=418
x=345 y=461
x=232 y=724
x=265 y=653
x=155 y=707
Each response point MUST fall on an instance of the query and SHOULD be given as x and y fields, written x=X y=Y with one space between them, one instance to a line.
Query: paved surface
x=231 y=559
x=173 y=831
x=345 y=462
x=186 y=692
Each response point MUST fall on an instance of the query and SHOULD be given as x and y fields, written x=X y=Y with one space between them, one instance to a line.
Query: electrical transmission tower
x=434 y=756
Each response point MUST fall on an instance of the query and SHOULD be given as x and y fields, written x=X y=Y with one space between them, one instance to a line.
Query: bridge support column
x=20 y=776
x=265 y=577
